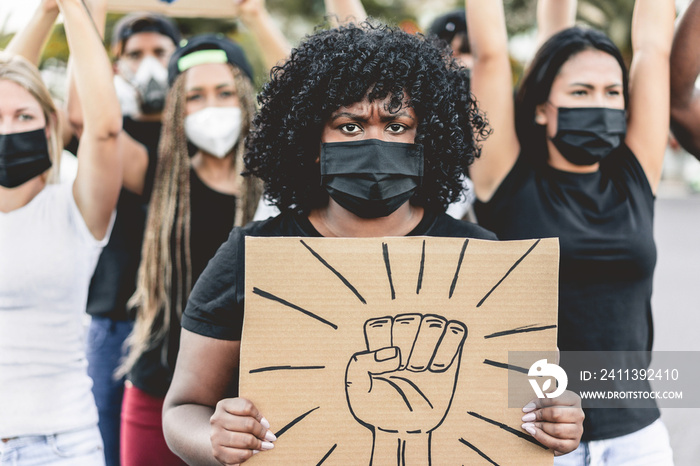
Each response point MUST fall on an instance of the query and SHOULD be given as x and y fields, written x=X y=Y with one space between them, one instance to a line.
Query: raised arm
x=29 y=42
x=200 y=424
x=97 y=184
x=554 y=16
x=98 y=13
x=257 y=19
x=492 y=85
x=649 y=106
x=345 y=11
x=685 y=98
x=133 y=154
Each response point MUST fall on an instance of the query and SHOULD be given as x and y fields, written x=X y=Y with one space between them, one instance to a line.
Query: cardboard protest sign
x=389 y=351
x=177 y=9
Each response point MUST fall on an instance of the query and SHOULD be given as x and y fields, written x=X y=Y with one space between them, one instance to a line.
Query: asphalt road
x=676 y=304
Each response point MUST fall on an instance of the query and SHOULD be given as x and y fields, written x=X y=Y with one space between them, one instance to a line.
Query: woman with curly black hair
x=363 y=132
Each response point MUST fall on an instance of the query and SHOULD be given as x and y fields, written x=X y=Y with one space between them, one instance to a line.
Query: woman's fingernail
x=529 y=407
x=265 y=423
x=267 y=446
x=256 y=451
x=529 y=417
x=529 y=427
x=270 y=437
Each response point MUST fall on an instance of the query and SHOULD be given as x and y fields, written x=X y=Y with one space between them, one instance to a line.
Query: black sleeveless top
x=604 y=221
x=114 y=279
x=212 y=215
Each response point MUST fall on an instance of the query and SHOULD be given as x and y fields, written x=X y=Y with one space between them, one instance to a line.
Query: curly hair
x=338 y=67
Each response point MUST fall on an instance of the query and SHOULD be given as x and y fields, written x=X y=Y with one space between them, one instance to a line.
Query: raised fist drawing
x=401 y=388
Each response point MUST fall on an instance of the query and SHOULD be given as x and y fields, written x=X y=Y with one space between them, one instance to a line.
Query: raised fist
x=401 y=388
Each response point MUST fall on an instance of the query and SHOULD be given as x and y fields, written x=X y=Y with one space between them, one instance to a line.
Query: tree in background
x=299 y=17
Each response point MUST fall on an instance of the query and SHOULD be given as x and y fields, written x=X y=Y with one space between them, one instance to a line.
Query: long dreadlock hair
x=165 y=274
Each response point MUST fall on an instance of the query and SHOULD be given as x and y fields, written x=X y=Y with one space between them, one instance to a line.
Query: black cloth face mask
x=22 y=157
x=587 y=135
x=371 y=178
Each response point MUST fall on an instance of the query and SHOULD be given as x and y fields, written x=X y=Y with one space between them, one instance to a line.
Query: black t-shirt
x=212 y=216
x=604 y=221
x=114 y=280
x=215 y=307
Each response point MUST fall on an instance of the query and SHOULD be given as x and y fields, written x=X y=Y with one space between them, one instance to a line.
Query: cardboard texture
x=321 y=315
x=177 y=9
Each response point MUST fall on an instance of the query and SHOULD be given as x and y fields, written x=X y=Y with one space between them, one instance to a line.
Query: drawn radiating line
x=508 y=429
x=325 y=457
x=525 y=329
x=503 y=365
x=337 y=274
x=415 y=387
x=508 y=273
x=459 y=266
x=291 y=424
x=385 y=250
x=398 y=452
x=479 y=452
x=422 y=268
x=283 y=368
x=398 y=389
x=272 y=297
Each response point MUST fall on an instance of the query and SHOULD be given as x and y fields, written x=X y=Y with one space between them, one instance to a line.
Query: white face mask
x=128 y=99
x=214 y=130
x=149 y=83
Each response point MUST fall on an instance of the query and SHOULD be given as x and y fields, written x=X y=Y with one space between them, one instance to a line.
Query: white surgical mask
x=214 y=130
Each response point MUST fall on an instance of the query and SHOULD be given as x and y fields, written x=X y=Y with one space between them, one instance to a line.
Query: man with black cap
x=142 y=44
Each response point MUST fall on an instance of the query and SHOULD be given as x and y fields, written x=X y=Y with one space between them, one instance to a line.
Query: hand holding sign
x=247 y=9
x=401 y=388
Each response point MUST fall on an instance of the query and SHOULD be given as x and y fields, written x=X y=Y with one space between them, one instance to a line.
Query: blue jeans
x=104 y=350
x=76 y=448
x=646 y=447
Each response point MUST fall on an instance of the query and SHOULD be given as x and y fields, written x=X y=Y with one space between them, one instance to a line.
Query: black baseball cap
x=208 y=48
x=135 y=23
x=447 y=26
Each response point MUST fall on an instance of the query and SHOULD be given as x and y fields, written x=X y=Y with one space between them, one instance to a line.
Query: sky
x=15 y=13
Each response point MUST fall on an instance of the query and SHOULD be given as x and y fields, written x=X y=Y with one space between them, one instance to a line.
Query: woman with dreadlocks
x=195 y=203
x=389 y=105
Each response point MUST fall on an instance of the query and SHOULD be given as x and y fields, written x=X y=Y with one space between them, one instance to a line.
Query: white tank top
x=47 y=257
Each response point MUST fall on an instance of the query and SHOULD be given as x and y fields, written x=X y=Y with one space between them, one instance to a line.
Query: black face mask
x=586 y=135
x=22 y=157
x=371 y=178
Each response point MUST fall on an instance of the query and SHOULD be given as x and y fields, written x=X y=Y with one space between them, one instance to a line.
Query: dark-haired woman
x=195 y=203
x=330 y=102
x=579 y=157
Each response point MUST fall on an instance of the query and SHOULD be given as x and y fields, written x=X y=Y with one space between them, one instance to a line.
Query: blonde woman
x=196 y=202
x=50 y=238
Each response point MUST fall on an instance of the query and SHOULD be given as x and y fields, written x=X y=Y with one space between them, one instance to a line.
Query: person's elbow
x=168 y=414
x=685 y=126
x=109 y=129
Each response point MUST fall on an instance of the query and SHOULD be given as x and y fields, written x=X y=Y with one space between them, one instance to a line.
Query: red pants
x=143 y=443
